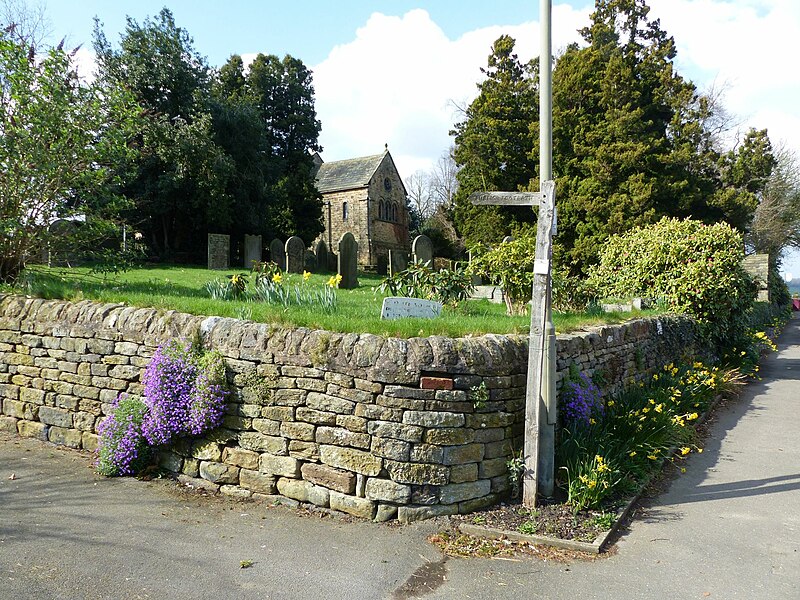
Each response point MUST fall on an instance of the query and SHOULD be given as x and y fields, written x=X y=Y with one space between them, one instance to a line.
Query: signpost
x=540 y=396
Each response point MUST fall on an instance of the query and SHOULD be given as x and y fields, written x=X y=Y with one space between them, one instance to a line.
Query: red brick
x=436 y=383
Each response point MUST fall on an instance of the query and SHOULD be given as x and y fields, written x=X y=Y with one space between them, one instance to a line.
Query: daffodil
x=306 y=275
x=685 y=450
x=277 y=278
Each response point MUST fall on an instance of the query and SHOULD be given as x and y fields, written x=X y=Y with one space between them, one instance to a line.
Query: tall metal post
x=546 y=467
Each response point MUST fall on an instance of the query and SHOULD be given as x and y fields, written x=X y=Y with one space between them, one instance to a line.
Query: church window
x=344 y=211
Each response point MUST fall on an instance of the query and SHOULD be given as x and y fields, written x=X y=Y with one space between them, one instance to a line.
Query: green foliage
x=448 y=286
x=60 y=141
x=510 y=265
x=516 y=469
x=493 y=145
x=696 y=269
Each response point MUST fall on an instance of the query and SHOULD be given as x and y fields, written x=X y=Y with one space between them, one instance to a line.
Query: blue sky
x=395 y=72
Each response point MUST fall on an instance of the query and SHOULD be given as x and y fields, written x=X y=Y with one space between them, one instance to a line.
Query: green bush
x=693 y=268
x=510 y=265
x=448 y=286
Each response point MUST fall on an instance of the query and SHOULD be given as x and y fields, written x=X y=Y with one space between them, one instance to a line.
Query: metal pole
x=546 y=463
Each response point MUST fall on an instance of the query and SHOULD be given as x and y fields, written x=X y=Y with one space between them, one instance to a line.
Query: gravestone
x=401 y=308
x=219 y=249
x=323 y=259
x=397 y=261
x=422 y=250
x=277 y=254
x=295 y=255
x=508 y=238
x=252 y=250
x=347 y=265
x=310 y=262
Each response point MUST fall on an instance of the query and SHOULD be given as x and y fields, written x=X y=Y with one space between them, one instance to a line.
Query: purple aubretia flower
x=580 y=402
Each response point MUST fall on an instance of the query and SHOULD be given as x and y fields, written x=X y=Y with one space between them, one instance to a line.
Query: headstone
x=757 y=266
x=277 y=253
x=401 y=308
x=323 y=258
x=252 y=250
x=422 y=250
x=397 y=262
x=310 y=262
x=508 y=238
x=347 y=265
x=295 y=255
x=219 y=249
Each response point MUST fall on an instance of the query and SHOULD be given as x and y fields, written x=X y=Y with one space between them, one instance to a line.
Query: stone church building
x=366 y=197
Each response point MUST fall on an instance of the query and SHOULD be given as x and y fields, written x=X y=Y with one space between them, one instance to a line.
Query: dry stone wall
x=380 y=428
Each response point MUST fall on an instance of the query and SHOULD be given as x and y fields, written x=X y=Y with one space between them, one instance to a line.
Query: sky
x=395 y=72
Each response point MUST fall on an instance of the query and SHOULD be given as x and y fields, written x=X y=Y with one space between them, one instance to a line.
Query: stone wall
x=379 y=428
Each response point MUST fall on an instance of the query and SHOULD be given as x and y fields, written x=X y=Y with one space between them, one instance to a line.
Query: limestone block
x=285 y=466
x=410 y=514
x=351 y=460
x=426 y=453
x=449 y=437
x=246 y=459
x=257 y=482
x=32 y=429
x=299 y=431
x=358 y=507
x=400 y=403
x=217 y=472
x=234 y=491
x=492 y=467
x=262 y=443
x=387 y=491
x=296 y=489
x=55 y=416
x=267 y=426
x=317 y=417
x=457 y=455
x=84 y=421
x=373 y=412
x=389 y=448
x=329 y=477
x=205 y=450
x=89 y=441
x=421 y=473
x=170 y=461
x=8 y=424
x=433 y=419
x=458 y=492
x=484 y=420
x=303 y=450
x=328 y=403
x=32 y=396
x=385 y=512
x=398 y=431
x=278 y=413
x=466 y=472
x=352 y=423
x=342 y=437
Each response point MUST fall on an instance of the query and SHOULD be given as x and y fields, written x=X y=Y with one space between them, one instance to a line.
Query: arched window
x=381 y=210
x=344 y=211
x=394 y=213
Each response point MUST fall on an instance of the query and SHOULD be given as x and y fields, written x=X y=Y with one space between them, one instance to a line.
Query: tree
x=444 y=179
x=280 y=93
x=60 y=142
x=179 y=186
x=493 y=146
x=776 y=223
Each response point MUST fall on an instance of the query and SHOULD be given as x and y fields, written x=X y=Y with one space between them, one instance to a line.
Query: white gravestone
x=401 y=308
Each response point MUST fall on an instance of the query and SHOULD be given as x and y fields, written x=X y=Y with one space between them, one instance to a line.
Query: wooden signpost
x=539 y=449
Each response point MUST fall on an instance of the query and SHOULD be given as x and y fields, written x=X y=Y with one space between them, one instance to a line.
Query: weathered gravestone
x=400 y=308
x=323 y=258
x=347 y=265
x=295 y=255
x=397 y=261
x=310 y=262
x=422 y=250
x=252 y=250
x=219 y=251
x=277 y=254
x=508 y=239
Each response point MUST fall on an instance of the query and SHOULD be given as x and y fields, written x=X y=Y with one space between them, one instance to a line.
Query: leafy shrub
x=694 y=268
x=448 y=286
x=510 y=265
x=122 y=449
x=571 y=293
x=183 y=392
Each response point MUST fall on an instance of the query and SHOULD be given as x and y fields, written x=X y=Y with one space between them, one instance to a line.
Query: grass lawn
x=182 y=288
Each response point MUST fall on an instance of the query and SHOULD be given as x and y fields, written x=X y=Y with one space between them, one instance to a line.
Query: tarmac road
x=728 y=528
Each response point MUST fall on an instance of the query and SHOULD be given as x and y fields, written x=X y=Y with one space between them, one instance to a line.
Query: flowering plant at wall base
x=123 y=449
x=183 y=396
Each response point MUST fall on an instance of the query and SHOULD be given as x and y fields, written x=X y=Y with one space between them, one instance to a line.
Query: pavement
x=728 y=528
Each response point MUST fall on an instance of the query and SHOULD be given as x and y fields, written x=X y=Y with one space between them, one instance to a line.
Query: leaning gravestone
x=295 y=255
x=323 y=260
x=422 y=250
x=252 y=250
x=400 y=308
x=219 y=251
x=397 y=261
x=277 y=254
x=348 y=261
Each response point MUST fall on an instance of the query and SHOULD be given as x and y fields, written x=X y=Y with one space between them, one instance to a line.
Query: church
x=366 y=197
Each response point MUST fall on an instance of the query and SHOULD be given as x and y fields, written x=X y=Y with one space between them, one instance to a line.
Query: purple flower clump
x=122 y=449
x=580 y=402
x=180 y=398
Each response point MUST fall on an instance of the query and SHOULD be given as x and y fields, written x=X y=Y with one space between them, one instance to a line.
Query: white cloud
x=398 y=80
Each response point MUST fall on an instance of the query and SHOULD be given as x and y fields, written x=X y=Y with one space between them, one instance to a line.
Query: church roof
x=348 y=174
